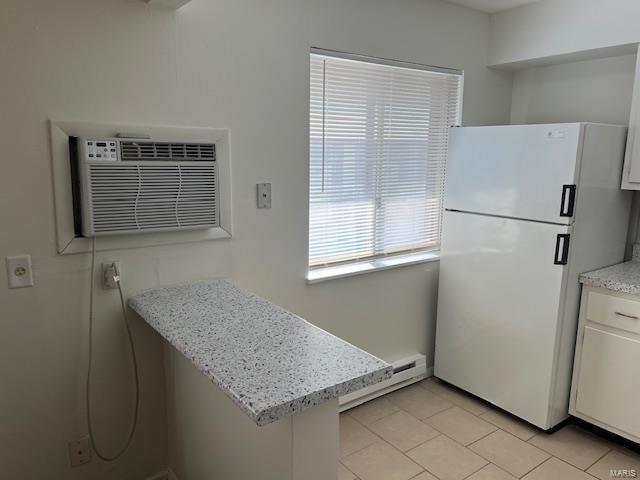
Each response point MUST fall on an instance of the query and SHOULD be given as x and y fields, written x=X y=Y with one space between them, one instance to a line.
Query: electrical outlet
x=108 y=272
x=79 y=452
x=19 y=272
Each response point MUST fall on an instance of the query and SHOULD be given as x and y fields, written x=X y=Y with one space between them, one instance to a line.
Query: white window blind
x=378 y=148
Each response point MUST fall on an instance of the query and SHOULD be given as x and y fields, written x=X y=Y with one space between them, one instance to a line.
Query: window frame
x=356 y=266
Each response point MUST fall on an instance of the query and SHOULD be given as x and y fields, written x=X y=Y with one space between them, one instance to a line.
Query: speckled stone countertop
x=623 y=277
x=270 y=362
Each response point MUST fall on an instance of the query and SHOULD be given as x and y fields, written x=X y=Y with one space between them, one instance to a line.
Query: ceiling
x=491 y=6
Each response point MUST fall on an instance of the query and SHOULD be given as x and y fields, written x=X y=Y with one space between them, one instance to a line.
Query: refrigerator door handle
x=562 y=249
x=568 y=201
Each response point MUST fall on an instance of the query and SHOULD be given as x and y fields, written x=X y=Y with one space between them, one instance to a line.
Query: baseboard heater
x=405 y=372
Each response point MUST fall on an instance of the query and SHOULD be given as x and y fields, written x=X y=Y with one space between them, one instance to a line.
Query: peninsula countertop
x=270 y=362
x=623 y=277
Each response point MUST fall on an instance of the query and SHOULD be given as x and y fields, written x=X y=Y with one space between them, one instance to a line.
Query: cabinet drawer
x=609 y=380
x=614 y=311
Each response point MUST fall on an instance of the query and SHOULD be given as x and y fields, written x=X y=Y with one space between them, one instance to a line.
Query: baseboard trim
x=407 y=371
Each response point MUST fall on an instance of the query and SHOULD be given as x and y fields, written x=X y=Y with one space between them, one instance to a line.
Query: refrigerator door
x=519 y=171
x=499 y=308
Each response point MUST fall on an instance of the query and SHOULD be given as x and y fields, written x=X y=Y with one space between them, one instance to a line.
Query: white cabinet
x=631 y=170
x=606 y=377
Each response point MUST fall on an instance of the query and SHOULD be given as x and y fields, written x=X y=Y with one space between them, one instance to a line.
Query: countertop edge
x=622 y=277
x=300 y=404
x=615 y=286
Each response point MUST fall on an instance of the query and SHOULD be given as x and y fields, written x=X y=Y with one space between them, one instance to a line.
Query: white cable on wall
x=101 y=455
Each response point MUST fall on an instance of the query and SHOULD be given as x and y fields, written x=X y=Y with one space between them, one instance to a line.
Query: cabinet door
x=631 y=170
x=609 y=379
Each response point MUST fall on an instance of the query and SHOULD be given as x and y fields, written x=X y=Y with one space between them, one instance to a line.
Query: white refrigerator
x=527 y=209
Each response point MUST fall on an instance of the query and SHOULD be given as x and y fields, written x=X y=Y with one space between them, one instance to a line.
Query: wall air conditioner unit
x=129 y=186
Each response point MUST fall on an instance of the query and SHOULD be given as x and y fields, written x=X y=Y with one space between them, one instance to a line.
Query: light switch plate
x=264 y=195
x=19 y=272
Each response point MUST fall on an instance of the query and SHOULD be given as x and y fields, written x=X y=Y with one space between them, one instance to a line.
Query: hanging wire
x=98 y=452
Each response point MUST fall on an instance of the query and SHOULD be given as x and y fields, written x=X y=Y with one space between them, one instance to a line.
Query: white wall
x=553 y=28
x=262 y=94
x=587 y=91
x=241 y=64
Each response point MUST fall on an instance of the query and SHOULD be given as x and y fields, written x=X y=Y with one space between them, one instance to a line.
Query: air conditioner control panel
x=100 y=149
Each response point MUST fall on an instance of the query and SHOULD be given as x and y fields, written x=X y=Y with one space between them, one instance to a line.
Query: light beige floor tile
x=462 y=426
x=424 y=476
x=491 y=472
x=353 y=436
x=630 y=453
x=554 y=469
x=435 y=385
x=615 y=460
x=573 y=445
x=418 y=401
x=373 y=410
x=381 y=461
x=509 y=452
x=403 y=431
x=511 y=424
x=344 y=473
x=446 y=459
x=467 y=401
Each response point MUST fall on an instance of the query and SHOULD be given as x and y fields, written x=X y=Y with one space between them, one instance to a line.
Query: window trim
x=359 y=267
x=352 y=267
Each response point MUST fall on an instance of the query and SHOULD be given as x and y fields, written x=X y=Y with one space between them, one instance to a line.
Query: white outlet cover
x=19 y=271
x=107 y=275
x=79 y=452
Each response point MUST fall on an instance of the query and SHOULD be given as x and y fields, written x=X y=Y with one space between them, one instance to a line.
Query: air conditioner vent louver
x=142 y=185
x=166 y=151
x=137 y=197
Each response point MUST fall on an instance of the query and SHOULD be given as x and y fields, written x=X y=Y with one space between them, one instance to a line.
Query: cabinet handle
x=632 y=317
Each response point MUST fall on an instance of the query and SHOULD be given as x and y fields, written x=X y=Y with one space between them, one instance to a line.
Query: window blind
x=378 y=148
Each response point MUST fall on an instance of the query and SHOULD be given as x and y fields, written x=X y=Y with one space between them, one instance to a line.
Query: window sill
x=323 y=274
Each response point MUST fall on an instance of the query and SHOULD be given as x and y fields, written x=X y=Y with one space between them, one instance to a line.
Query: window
x=378 y=147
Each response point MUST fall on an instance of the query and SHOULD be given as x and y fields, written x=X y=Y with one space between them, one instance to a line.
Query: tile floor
x=432 y=431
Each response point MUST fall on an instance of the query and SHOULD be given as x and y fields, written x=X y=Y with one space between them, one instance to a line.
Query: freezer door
x=519 y=171
x=501 y=287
